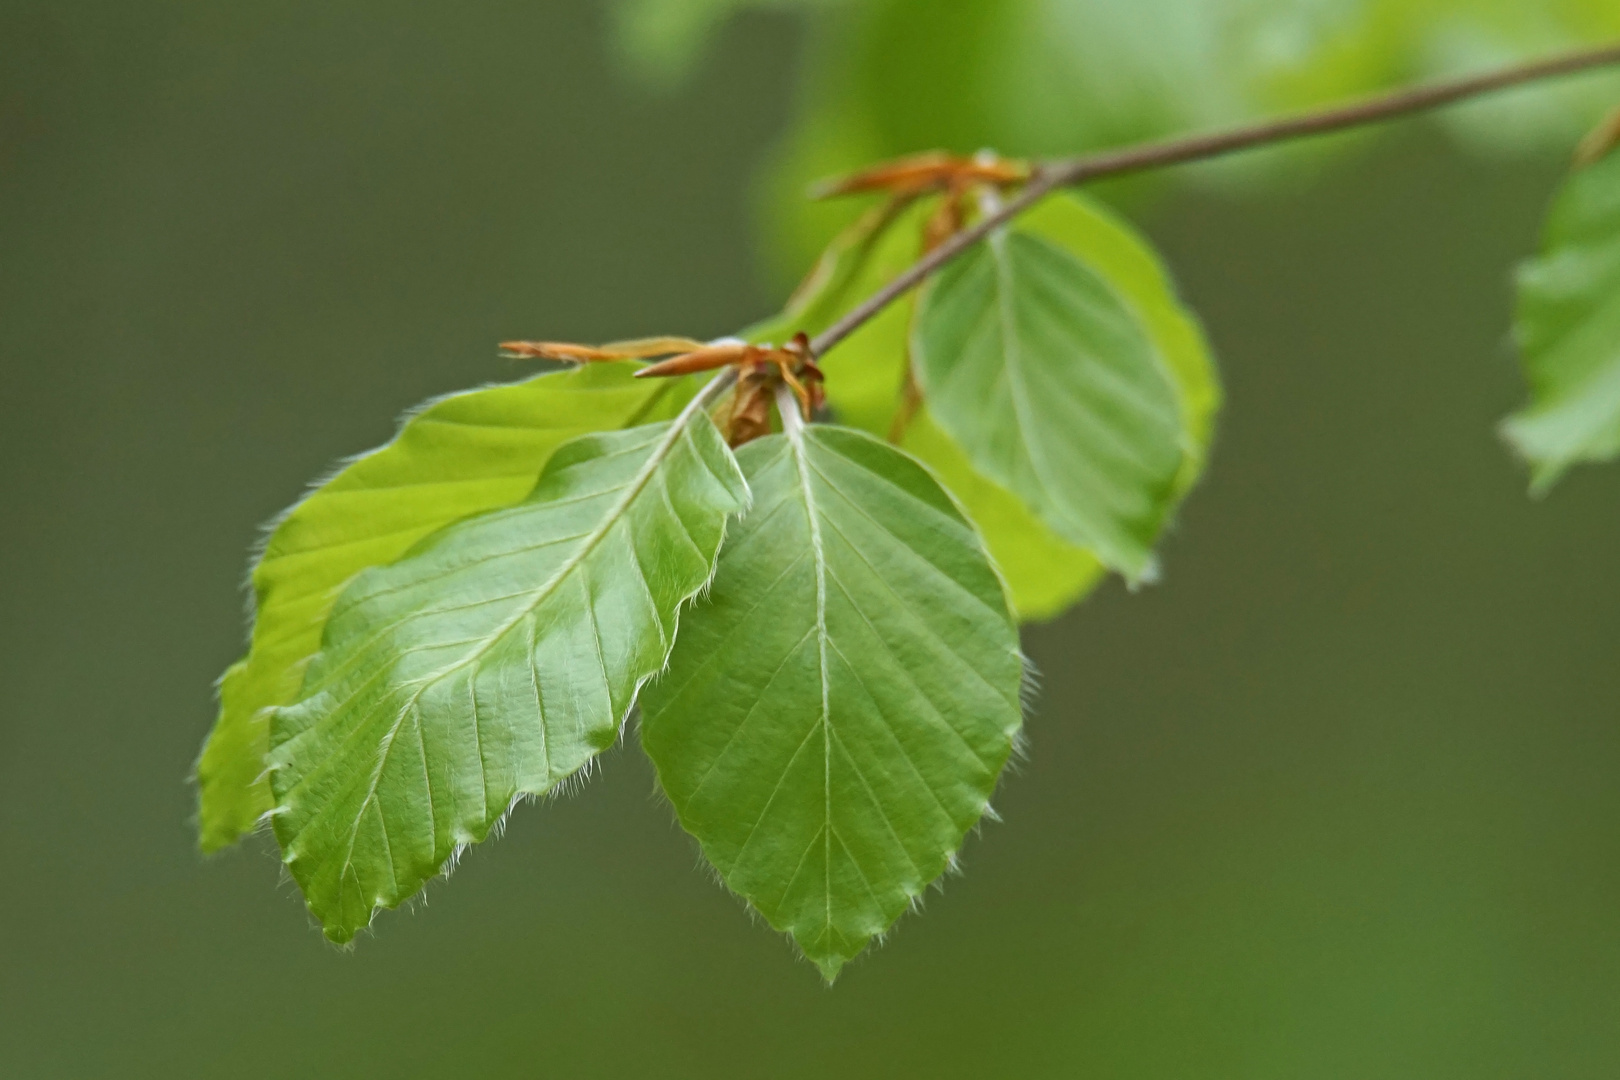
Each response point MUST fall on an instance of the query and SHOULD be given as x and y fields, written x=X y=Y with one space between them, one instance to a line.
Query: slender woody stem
x=1067 y=172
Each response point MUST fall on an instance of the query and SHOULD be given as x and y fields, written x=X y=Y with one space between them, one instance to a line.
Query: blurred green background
x=1337 y=799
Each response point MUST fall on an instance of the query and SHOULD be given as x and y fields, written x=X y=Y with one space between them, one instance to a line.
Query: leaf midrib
x=1012 y=366
x=586 y=548
x=1012 y=355
x=679 y=429
x=812 y=511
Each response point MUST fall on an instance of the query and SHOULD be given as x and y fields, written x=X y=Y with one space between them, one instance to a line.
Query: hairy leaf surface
x=459 y=456
x=837 y=711
x=494 y=662
x=1036 y=366
x=1569 y=331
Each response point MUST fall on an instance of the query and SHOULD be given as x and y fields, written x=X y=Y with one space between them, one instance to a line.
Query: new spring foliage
x=819 y=626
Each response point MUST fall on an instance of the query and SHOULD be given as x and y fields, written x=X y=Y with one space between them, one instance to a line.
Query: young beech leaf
x=460 y=455
x=838 y=709
x=1044 y=573
x=494 y=662
x=1569 y=331
x=1035 y=366
x=1127 y=261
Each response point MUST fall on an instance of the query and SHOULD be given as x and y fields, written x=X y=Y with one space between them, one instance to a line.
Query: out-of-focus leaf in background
x=1569 y=330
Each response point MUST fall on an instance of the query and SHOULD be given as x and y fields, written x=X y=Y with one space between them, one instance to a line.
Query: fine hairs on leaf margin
x=301 y=845
x=267 y=531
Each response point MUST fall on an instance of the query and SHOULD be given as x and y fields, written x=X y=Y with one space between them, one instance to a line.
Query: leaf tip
x=1140 y=571
x=341 y=936
x=1545 y=470
x=830 y=968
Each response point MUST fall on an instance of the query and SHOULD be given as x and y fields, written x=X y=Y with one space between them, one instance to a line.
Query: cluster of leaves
x=820 y=627
x=816 y=621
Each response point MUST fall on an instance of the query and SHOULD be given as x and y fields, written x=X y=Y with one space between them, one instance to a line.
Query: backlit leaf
x=494 y=662
x=1569 y=330
x=838 y=709
x=460 y=455
x=1033 y=363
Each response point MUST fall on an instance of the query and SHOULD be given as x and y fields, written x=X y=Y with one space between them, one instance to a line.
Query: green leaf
x=1044 y=575
x=1123 y=257
x=836 y=714
x=494 y=662
x=459 y=456
x=1569 y=331
x=1034 y=364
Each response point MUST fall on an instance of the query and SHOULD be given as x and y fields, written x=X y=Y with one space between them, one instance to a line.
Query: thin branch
x=1068 y=172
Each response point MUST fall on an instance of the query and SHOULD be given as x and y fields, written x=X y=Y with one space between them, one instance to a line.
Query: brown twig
x=1068 y=172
